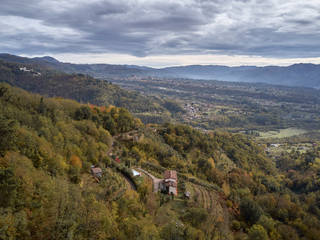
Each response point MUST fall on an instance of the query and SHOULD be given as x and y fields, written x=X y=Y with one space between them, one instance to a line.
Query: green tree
x=84 y=112
x=195 y=216
x=8 y=135
x=8 y=187
x=172 y=231
x=257 y=232
x=250 y=210
x=109 y=124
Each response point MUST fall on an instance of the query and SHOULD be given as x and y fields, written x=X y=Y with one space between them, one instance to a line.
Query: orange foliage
x=103 y=109
x=93 y=107
x=110 y=108
x=75 y=161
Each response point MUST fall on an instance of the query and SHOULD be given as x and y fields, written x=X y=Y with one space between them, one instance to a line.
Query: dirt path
x=198 y=193
x=204 y=196
x=155 y=180
x=129 y=183
x=206 y=199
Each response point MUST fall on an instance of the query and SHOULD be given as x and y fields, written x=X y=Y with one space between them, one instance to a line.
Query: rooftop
x=170 y=174
x=96 y=170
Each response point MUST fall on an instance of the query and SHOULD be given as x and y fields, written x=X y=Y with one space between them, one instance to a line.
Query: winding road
x=155 y=180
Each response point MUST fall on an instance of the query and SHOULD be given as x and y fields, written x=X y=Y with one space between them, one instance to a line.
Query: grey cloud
x=289 y=28
x=301 y=21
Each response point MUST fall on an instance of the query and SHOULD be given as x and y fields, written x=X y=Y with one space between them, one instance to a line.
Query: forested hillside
x=79 y=87
x=48 y=146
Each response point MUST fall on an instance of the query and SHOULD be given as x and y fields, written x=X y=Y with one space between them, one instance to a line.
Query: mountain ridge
x=299 y=74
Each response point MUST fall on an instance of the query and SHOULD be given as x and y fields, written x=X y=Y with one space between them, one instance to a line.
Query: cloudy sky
x=164 y=32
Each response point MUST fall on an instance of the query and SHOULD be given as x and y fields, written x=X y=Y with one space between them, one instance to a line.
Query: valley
x=235 y=107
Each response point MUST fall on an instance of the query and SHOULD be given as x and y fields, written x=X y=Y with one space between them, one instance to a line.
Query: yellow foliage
x=131 y=195
x=226 y=188
x=138 y=122
x=211 y=162
x=62 y=163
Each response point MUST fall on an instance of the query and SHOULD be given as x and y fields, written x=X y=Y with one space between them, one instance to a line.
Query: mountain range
x=306 y=75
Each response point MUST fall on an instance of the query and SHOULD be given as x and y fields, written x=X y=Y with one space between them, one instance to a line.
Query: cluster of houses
x=24 y=69
x=191 y=110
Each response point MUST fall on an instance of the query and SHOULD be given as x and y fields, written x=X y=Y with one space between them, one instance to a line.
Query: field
x=282 y=133
x=204 y=198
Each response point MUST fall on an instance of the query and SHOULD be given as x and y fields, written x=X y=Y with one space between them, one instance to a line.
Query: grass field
x=282 y=133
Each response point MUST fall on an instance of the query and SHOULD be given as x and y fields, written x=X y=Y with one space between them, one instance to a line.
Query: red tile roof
x=170 y=174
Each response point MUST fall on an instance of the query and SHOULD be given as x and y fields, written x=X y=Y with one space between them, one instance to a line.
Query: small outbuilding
x=96 y=171
x=187 y=194
x=136 y=173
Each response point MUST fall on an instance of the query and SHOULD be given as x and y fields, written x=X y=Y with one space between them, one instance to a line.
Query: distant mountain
x=95 y=70
x=306 y=75
x=47 y=59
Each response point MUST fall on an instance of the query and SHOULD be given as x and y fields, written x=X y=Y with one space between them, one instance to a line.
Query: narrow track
x=155 y=180
x=129 y=183
x=208 y=199
x=205 y=198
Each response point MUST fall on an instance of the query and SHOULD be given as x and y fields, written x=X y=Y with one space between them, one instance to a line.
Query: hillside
x=49 y=144
x=303 y=75
x=79 y=87
x=96 y=70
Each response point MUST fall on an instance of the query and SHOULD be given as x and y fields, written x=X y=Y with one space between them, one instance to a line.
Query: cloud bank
x=274 y=29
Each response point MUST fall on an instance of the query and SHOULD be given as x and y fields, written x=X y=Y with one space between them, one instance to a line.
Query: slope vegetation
x=48 y=146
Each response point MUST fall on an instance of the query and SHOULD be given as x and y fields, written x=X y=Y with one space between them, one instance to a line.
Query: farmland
x=235 y=107
x=282 y=133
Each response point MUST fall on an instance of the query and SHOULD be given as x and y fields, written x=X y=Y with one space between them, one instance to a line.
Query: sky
x=162 y=33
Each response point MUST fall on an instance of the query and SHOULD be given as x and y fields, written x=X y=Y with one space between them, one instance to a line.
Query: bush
x=236 y=225
x=257 y=232
x=195 y=216
x=250 y=210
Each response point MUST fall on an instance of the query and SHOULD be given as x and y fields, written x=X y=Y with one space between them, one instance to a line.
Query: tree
x=109 y=124
x=84 y=112
x=8 y=135
x=250 y=210
x=125 y=121
x=310 y=158
x=172 y=231
x=8 y=187
x=191 y=233
x=75 y=161
x=195 y=216
x=257 y=232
